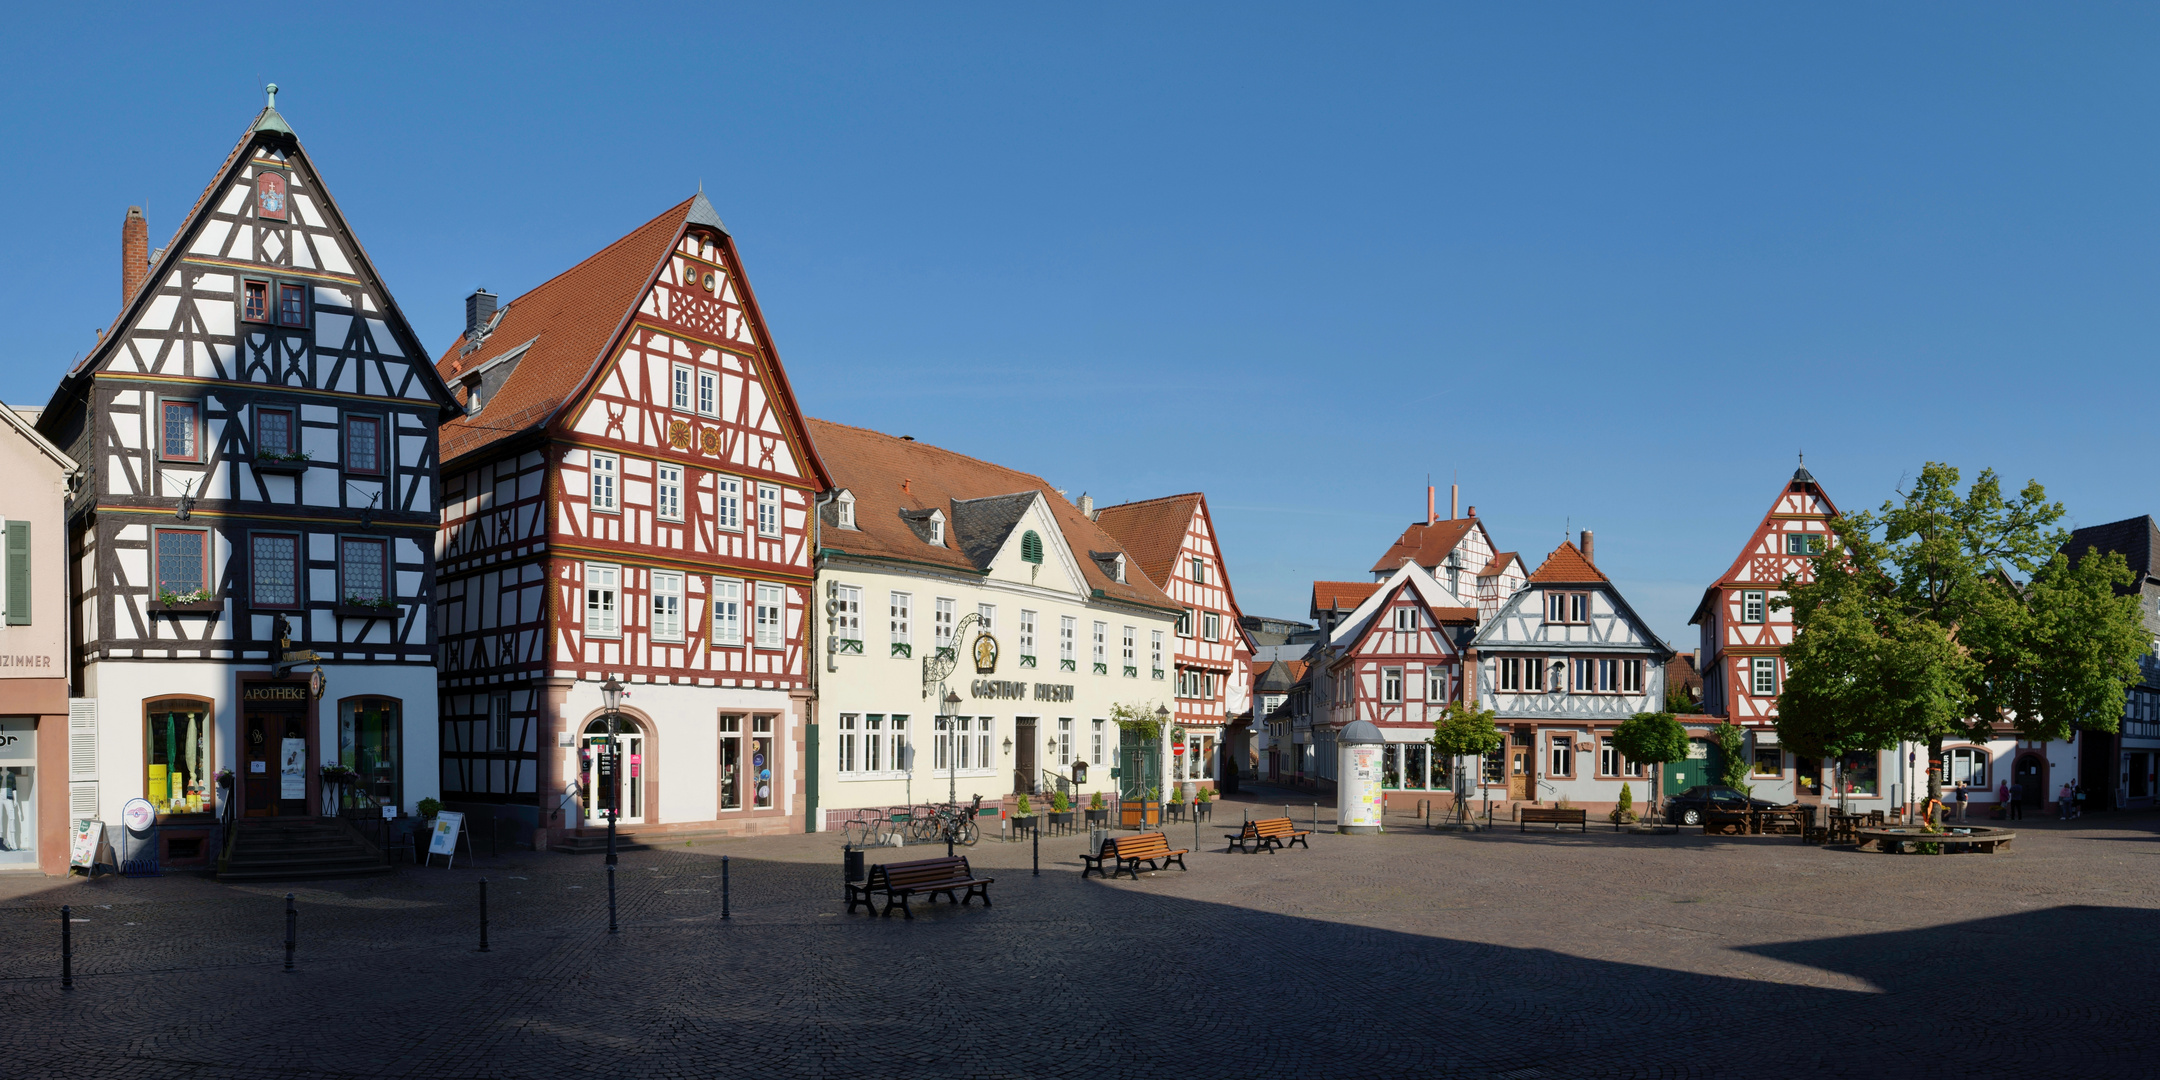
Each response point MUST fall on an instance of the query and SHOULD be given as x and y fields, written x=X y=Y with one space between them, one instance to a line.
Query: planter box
x=192 y=607
x=366 y=611
x=275 y=467
x=1061 y=820
x=1135 y=815
x=1097 y=817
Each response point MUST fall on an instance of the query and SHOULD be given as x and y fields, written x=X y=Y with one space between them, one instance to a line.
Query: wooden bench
x=1126 y=853
x=1552 y=815
x=1268 y=834
x=1728 y=822
x=898 y=881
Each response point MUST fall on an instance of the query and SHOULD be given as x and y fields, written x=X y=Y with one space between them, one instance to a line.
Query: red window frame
x=299 y=581
x=389 y=573
x=195 y=432
x=254 y=301
x=157 y=558
x=292 y=304
x=266 y=183
x=346 y=449
x=292 y=430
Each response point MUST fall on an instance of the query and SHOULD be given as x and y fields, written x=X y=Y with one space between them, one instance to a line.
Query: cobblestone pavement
x=1413 y=954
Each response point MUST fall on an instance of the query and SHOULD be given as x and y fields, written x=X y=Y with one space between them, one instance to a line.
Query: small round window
x=709 y=281
x=1031 y=547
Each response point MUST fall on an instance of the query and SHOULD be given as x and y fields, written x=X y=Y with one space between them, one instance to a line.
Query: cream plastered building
x=939 y=573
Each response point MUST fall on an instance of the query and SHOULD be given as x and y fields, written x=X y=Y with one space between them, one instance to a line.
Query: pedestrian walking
x=1964 y=794
x=2064 y=804
x=2017 y=801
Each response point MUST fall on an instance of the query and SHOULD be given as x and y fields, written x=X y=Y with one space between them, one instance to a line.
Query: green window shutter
x=18 y=573
x=1031 y=547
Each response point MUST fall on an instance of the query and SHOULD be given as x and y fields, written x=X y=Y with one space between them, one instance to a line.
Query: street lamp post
x=611 y=693
x=1162 y=717
x=952 y=764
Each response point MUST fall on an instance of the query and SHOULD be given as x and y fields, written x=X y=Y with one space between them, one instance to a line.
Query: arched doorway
x=2030 y=775
x=608 y=779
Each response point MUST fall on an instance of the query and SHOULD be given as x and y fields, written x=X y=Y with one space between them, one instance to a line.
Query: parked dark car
x=1688 y=806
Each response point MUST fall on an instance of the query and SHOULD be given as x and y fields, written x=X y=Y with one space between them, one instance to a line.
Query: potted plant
x=1624 y=810
x=1023 y=814
x=1203 y=805
x=1151 y=807
x=1096 y=813
x=428 y=808
x=1060 y=810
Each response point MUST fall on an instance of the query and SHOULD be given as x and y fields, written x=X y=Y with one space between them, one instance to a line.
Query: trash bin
x=854 y=864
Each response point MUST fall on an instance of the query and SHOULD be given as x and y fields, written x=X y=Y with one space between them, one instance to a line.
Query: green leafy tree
x=1651 y=738
x=1732 y=748
x=1679 y=701
x=1464 y=731
x=1948 y=614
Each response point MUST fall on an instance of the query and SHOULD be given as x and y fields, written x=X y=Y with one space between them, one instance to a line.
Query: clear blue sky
x=1609 y=265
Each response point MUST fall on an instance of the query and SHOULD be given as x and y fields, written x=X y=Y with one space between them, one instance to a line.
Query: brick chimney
x=1589 y=546
x=134 y=254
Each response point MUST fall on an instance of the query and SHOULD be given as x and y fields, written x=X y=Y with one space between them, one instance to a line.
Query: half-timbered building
x=627 y=493
x=1175 y=543
x=943 y=574
x=1458 y=552
x=259 y=431
x=1562 y=664
x=1396 y=661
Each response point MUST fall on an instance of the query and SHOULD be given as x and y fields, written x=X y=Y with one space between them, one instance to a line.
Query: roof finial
x=1803 y=457
x=270 y=91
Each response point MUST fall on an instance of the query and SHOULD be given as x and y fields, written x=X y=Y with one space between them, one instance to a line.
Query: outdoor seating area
x=1555 y=816
x=1124 y=854
x=1773 y=821
x=945 y=876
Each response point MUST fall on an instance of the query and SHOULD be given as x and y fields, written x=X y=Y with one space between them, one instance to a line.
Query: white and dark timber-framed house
x=627 y=495
x=258 y=430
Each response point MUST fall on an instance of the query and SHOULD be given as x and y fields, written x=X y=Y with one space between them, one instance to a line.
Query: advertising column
x=1357 y=788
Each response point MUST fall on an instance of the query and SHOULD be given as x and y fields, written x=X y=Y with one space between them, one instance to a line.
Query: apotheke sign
x=1010 y=690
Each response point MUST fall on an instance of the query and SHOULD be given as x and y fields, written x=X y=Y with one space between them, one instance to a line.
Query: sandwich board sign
x=83 y=846
x=443 y=841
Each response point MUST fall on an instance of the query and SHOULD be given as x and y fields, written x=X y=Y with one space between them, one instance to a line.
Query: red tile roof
x=887 y=475
x=1567 y=565
x=1341 y=595
x=1153 y=531
x=1499 y=563
x=572 y=320
x=1427 y=543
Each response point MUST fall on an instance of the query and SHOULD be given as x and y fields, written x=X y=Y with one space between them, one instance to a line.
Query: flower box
x=1067 y=665
x=1026 y=660
x=847 y=645
x=282 y=466
x=1102 y=669
x=189 y=607
x=367 y=611
x=903 y=650
x=1132 y=672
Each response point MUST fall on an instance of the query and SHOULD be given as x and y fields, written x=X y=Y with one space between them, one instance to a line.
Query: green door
x=1139 y=765
x=1699 y=767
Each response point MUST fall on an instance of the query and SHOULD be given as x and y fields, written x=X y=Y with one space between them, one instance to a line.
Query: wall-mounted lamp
x=1008 y=744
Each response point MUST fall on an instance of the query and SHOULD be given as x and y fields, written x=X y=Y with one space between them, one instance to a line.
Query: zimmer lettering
x=25 y=661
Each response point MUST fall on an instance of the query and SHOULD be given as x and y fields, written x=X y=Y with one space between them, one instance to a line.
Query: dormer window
x=473 y=397
x=844 y=509
x=937 y=527
x=1117 y=568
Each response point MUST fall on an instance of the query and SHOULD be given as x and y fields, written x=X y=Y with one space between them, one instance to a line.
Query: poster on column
x=1365 y=787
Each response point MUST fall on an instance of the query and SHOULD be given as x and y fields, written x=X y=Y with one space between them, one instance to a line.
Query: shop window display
x=368 y=733
x=176 y=758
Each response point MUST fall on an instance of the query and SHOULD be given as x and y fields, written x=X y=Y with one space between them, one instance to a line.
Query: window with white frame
x=873 y=756
x=667 y=605
x=1631 y=673
x=1211 y=626
x=1436 y=685
x=770 y=611
x=1752 y=605
x=941 y=742
x=1608 y=761
x=768 y=510
x=667 y=492
x=1068 y=627
x=1095 y=741
x=1508 y=673
x=1966 y=765
x=727 y=503
x=1027 y=635
x=1585 y=675
x=847 y=617
x=1129 y=650
x=1764 y=683
x=902 y=607
x=1155 y=651
x=1102 y=646
x=602 y=599
x=1184 y=623
x=844 y=510
x=850 y=731
x=1065 y=739
x=943 y=628
x=726 y=612
x=1533 y=676
x=1406 y=618
x=682 y=388
x=897 y=733
x=1803 y=543
x=982 y=743
x=1199 y=570
x=604 y=469
x=1561 y=758
x=708 y=396
x=988 y=614
x=1391 y=685
x=1608 y=676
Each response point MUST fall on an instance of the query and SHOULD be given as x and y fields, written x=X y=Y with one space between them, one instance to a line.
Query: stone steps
x=301 y=849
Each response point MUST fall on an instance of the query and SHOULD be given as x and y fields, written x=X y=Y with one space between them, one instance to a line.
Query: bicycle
x=957 y=826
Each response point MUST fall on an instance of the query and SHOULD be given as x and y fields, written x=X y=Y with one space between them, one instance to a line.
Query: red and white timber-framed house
x=1396 y=660
x=1743 y=639
x=1174 y=541
x=259 y=431
x=628 y=493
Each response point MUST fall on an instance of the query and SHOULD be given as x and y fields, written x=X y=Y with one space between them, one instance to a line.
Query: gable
x=1765 y=559
x=1612 y=623
x=321 y=320
x=1384 y=636
x=1059 y=569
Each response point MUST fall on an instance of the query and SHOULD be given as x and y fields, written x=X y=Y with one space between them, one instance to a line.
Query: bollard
x=1196 y=831
x=611 y=898
x=1038 y=852
x=723 y=886
x=483 y=915
x=67 y=949
x=292 y=929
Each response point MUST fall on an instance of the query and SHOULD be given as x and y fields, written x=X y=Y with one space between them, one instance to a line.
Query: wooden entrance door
x=278 y=750
x=1522 y=765
x=1024 y=774
x=2031 y=773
